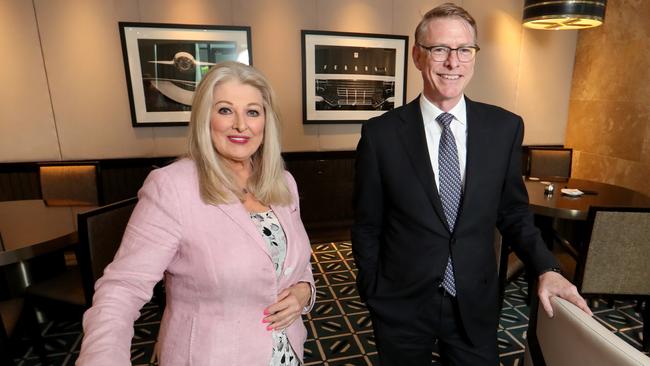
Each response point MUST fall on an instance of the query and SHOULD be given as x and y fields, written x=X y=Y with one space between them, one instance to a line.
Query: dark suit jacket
x=400 y=238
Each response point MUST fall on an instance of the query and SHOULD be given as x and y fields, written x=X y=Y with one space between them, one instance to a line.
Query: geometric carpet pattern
x=339 y=327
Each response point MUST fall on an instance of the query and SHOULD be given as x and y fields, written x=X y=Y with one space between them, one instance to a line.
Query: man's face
x=444 y=81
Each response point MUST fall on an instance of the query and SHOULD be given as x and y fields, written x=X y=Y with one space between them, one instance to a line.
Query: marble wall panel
x=645 y=150
x=594 y=167
x=608 y=128
x=609 y=117
x=625 y=15
x=615 y=72
x=602 y=168
x=634 y=175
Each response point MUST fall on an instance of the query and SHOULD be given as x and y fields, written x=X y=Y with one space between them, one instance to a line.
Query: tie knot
x=445 y=119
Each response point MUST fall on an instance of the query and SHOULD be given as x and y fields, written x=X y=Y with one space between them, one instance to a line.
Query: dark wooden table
x=548 y=208
x=29 y=232
x=561 y=206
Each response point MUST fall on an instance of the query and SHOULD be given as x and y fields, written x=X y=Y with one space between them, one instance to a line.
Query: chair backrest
x=100 y=234
x=10 y=311
x=617 y=258
x=70 y=184
x=572 y=337
x=550 y=163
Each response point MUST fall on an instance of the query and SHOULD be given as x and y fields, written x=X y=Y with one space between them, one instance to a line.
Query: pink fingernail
x=266 y=312
x=265 y=321
x=269 y=328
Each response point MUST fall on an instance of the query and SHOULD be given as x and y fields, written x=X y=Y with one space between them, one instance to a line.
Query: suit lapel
x=412 y=135
x=241 y=217
x=475 y=129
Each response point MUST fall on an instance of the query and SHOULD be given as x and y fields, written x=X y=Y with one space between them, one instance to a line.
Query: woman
x=223 y=226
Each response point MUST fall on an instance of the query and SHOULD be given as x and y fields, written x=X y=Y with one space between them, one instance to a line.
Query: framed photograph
x=350 y=77
x=165 y=62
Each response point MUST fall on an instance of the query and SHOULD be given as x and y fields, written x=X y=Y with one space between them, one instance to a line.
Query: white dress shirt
x=433 y=131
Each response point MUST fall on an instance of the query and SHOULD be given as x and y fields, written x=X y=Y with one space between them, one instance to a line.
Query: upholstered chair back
x=572 y=338
x=618 y=257
x=550 y=163
x=100 y=235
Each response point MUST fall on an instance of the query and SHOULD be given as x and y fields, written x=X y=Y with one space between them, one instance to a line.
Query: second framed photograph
x=350 y=77
x=165 y=62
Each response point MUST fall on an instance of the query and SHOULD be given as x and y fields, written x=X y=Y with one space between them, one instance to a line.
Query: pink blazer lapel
x=241 y=217
x=283 y=213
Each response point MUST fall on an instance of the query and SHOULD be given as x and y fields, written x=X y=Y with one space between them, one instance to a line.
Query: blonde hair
x=217 y=183
x=445 y=10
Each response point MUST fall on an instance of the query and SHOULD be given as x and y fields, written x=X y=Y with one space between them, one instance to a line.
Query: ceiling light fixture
x=561 y=15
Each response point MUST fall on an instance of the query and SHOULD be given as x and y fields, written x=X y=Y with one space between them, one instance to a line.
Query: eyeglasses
x=441 y=53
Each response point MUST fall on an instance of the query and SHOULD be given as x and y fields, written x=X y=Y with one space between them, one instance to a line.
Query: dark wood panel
x=325 y=182
x=19 y=181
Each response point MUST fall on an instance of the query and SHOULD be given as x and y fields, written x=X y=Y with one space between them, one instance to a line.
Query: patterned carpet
x=340 y=330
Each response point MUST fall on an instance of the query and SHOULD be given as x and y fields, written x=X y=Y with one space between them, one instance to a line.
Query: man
x=433 y=180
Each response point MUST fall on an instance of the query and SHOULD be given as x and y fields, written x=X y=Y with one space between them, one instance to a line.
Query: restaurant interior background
x=63 y=90
x=64 y=93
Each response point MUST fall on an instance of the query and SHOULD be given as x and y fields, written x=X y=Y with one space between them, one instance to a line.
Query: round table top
x=29 y=228
x=577 y=208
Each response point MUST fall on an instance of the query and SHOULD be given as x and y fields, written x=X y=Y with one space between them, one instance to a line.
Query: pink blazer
x=219 y=278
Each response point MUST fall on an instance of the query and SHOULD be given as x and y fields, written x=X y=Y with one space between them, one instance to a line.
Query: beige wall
x=64 y=94
x=609 y=115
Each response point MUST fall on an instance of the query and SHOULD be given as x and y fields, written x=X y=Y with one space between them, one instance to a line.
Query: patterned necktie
x=450 y=188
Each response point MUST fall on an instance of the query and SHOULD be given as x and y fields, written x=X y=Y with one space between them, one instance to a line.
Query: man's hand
x=289 y=306
x=554 y=284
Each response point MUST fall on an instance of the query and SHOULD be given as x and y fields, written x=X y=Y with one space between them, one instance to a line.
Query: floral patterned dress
x=273 y=234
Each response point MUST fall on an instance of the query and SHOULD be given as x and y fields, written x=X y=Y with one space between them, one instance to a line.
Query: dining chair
x=10 y=312
x=615 y=260
x=70 y=183
x=509 y=266
x=550 y=163
x=612 y=257
x=571 y=337
x=70 y=293
x=13 y=319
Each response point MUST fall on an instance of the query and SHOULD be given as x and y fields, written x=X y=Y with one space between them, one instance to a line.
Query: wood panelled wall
x=325 y=183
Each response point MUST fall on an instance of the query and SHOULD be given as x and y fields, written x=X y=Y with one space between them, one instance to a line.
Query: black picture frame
x=351 y=77
x=164 y=63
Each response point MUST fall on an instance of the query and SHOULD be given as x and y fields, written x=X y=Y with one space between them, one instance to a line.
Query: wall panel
x=87 y=86
x=609 y=115
x=27 y=129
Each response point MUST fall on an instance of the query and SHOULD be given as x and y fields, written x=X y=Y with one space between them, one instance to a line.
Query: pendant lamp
x=567 y=14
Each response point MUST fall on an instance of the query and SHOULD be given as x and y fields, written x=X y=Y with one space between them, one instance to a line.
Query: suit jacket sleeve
x=149 y=245
x=515 y=220
x=368 y=206
x=307 y=275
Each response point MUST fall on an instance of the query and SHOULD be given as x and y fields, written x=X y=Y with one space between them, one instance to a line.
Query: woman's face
x=237 y=120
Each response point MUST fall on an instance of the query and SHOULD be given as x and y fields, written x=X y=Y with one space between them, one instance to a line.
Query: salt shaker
x=549 y=189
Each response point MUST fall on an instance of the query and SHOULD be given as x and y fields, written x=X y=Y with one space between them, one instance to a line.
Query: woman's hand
x=289 y=306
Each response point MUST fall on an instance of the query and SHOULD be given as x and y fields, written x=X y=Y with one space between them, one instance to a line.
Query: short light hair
x=217 y=183
x=445 y=10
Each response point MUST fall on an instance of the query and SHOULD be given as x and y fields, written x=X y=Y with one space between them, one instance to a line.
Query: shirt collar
x=430 y=111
